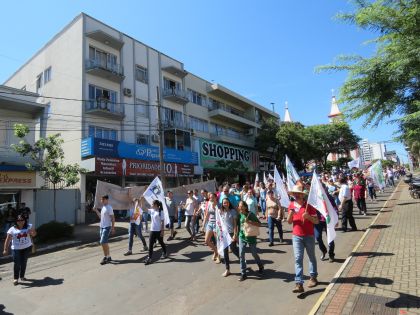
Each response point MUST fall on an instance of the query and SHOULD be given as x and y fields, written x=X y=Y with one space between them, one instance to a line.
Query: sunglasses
x=19 y=220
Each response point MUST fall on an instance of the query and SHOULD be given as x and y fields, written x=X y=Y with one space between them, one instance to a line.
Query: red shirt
x=301 y=228
x=359 y=191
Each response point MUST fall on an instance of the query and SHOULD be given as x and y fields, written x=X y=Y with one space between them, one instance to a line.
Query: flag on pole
x=256 y=180
x=377 y=175
x=223 y=239
x=281 y=190
x=265 y=179
x=319 y=200
x=155 y=192
x=270 y=176
x=357 y=163
x=137 y=212
x=292 y=175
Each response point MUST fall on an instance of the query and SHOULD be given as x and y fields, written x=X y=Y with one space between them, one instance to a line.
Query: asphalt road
x=71 y=281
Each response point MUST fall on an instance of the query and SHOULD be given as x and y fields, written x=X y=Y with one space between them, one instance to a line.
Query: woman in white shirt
x=20 y=237
x=210 y=224
x=156 y=230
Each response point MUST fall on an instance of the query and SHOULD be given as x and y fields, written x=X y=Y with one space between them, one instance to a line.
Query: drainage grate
x=373 y=304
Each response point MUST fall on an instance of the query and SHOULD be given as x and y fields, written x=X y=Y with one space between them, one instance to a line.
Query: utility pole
x=160 y=131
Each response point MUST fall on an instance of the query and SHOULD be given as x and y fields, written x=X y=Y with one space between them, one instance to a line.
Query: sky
x=266 y=50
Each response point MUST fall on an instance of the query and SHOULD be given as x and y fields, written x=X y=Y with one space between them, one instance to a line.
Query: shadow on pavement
x=304 y=295
x=274 y=274
x=362 y=281
x=405 y=301
x=2 y=310
x=379 y=226
x=407 y=203
x=370 y=254
x=37 y=283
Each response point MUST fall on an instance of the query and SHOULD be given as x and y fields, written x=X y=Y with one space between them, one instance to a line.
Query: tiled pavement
x=383 y=274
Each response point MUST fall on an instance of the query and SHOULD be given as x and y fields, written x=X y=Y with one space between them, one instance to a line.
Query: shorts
x=171 y=221
x=211 y=227
x=104 y=234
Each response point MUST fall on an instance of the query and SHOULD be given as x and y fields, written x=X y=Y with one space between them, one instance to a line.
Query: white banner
x=155 y=192
x=223 y=239
x=377 y=174
x=357 y=163
x=292 y=175
x=281 y=189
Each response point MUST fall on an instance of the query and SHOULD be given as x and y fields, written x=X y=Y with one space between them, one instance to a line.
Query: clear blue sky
x=265 y=50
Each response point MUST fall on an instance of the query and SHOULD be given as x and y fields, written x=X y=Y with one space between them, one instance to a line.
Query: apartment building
x=101 y=87
x=17 y=183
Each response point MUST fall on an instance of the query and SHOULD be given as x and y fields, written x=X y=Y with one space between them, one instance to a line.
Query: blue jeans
x=134 y=227
x=263 y=205
x=318 y=229
x=253 y=248
x=271 y=223
x=180 y=212
x=20 y=259
x=300 y=243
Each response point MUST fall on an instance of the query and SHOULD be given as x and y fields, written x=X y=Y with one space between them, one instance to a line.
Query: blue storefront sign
x=118 y=149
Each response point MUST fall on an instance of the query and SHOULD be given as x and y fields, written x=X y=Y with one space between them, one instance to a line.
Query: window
x=214 y=104
x=172 y=118
x=197 y=98
x=199 y=124
x=142 y=108
x=142 y=139
x=141 y=74
x=47 y=75
x=4 y=133
x=38 y=82
x=48 y=112
x=102 y=97
x=103 y=133
x=171 y=85
x=103 y=59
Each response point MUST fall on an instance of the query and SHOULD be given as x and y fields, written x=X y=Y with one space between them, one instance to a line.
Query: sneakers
x=148 y=261
x=331 y=260
x=109 y=259
x=364 y=213
x=164 y=256
x=128 y=253
x=15 y=282
x=298 y=288
x=323 y=255
x=242 y=278
x=282 y=241
x=104 y=261
x=261 y=270
x=23 y=279
x=271 y=244
x=313 y=282
x=226 y=273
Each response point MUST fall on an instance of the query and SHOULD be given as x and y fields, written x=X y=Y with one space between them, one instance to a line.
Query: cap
x=189 y=192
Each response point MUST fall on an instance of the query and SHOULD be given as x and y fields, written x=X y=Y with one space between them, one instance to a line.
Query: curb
x=346 y=262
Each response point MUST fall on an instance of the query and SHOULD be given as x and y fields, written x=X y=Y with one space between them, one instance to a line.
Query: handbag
x=250 y=229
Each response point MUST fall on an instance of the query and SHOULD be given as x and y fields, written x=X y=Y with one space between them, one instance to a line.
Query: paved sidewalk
x=382 y=275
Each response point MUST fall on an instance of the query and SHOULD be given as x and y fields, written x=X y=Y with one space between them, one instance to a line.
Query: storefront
x=217 y=160
x=128 y=164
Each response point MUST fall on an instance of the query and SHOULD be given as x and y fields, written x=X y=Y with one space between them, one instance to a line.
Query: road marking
x=346 y=262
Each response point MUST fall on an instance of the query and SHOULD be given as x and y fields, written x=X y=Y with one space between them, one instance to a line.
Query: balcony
x=104 y=108
x=104 y=69
x=180 y=73
x=235 y=138
x=176 y=95
x=106 y=39
x=177 y=124
x=225 y=112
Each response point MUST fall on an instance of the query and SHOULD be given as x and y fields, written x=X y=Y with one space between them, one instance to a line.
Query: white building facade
x=101 y=86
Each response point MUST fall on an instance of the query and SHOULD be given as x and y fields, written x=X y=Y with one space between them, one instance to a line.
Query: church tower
x=335 y=114
x=287 y=117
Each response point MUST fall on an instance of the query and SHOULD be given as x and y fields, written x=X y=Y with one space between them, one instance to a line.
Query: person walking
x=19 y=236
x=262 y=194
x=135 y=226
x=274 y=217
x=229 y=217
x=210 y=224
x=156 y=230
x=359 y=193
x=248 y=217
x=371 y=188
x=346 y=206
x=303 y=217
x=107 y=226
x=172 y=211
x=190 y=207
x=251 y=201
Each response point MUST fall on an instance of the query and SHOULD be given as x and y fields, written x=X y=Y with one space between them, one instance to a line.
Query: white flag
x=281 y=190
x=319 y=200
x=265 y=179
x=355 y=163
x=377 y=174
x=223 y=239
x=256 y=180
x=292 y=175
x=155 y=192
x=270 y=176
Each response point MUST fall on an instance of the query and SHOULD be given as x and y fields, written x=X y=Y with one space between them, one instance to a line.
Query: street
x=189 y=282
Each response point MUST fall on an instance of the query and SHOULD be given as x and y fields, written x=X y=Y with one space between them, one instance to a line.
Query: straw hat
x=297 y=189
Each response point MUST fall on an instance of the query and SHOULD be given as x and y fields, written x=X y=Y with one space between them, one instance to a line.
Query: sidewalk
x=382 y=275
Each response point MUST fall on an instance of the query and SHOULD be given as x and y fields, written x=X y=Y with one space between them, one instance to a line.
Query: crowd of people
x=242 y=210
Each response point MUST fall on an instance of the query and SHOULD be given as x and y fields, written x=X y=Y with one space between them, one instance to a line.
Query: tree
x=231 y=169
x=266 y=142
x=387 y=83
x=335 y=138
x=48 y=158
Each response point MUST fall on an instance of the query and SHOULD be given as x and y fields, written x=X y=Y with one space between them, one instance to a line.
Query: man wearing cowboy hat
x=303 y=217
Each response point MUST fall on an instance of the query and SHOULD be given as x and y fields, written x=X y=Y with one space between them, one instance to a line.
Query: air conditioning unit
x=250 y=132
x=127 y=92
x=155 y=138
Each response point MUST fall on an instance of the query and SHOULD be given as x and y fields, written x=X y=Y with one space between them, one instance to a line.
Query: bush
x=53 y=230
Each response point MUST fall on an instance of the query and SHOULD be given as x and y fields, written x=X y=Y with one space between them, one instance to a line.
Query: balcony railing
x=176 y=95
x=177 y=124
x=113 y=71
x=228 y=109
x=234 y=135
x=105 y=108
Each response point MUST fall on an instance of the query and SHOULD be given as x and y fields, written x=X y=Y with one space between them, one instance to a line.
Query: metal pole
x=160 y=131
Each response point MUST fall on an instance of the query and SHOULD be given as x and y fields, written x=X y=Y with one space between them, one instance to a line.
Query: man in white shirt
x=190 y=206
x=107 y=226
x=346 y=206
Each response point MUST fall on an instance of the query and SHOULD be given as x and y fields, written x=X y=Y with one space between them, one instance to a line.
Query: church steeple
x=335 y=114
x=287 y=117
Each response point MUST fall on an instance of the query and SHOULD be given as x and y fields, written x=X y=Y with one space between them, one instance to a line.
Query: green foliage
x=53 y=230
x=387 y=83
x=231 y=169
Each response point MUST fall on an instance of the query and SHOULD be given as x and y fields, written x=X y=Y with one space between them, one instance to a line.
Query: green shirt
x=242 y=218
